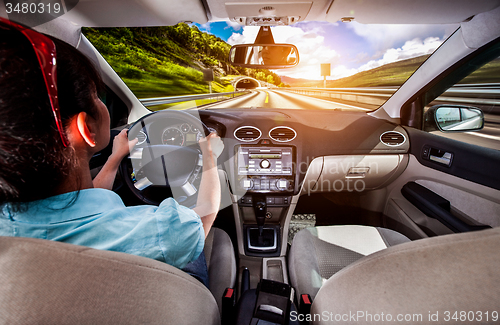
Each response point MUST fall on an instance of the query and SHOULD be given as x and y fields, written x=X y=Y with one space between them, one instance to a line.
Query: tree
x=260 y=76
x=270 y=79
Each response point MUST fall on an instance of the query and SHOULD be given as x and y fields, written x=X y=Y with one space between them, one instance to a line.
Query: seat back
x=459 y=272
x=221 y=263
x=45 y=282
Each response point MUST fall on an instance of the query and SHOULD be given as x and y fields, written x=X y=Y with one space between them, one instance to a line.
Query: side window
x=457 y=106
x=118 y=111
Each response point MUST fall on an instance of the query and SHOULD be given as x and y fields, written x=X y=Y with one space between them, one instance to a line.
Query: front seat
x=46 y=282
x=317 y=253
x=440 y=280
x=221 y=263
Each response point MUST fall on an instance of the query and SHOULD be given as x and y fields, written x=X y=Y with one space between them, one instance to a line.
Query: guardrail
x=479 y=94
x=179 y=99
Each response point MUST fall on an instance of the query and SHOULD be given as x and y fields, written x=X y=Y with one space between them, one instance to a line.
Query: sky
x=349 y=47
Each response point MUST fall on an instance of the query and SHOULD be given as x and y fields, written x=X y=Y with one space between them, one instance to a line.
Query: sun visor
x=482 y=29
x=63 y=30
x=408 y=11
x=132 y=13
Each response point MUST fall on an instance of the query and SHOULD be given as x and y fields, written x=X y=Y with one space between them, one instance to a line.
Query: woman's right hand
x=211 y=145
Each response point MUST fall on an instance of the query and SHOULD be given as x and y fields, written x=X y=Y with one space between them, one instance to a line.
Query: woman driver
x=47 y=138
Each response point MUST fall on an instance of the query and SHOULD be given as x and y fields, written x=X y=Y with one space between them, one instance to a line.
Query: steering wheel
x=154 y=172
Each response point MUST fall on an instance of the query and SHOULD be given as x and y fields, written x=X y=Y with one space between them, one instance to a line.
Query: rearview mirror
x=264 y=56
x=453 y=118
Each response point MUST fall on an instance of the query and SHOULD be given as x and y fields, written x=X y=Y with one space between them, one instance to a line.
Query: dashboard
x=270 y=151
x=177 y=133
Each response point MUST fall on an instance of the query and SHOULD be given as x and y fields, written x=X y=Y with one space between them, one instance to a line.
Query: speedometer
x=172 y=136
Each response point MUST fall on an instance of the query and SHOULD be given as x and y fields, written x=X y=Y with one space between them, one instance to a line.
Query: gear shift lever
x=259 y=239
x=259 y=207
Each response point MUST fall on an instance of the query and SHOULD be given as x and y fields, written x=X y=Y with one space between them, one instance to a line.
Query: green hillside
x=168 y=61
x=395 y=74
x=392 y=74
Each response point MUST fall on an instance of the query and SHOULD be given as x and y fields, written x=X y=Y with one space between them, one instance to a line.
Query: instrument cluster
x=176 y=133
x=183 y=134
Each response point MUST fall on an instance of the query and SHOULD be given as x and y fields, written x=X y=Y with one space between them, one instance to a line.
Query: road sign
x=208 y=75
x=325 y=69
x=325 y=72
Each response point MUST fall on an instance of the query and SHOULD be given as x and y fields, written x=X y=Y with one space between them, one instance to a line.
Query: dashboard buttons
x=246 y=184
x=271 y=201
x=282 y=184
x=264 y=184
x=265 y=163
x=256 y=184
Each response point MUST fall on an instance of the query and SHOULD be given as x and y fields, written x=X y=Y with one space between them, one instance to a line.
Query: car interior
x=327 y=216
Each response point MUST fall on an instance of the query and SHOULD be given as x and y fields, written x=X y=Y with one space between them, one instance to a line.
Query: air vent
x=392 y=138
x=141 y=136
x=247 y=133
x=282 y=134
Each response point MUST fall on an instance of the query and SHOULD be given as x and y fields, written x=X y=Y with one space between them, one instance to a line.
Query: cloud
x=205 y=27
x=382 y=44
x=311 y=48
x=233 y=25
x=410 y=49
x=383 y=37
x=247 y=37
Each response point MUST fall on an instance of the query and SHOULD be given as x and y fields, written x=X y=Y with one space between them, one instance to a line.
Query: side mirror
x=453 y=118
x=264 y=56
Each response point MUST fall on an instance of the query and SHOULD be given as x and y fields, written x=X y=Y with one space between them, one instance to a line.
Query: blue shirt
x=99 y=219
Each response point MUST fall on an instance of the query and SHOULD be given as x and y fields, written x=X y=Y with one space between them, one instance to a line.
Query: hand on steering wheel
x=166 y=168
x=211 y=144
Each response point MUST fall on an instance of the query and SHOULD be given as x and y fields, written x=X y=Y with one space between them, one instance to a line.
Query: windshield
x=346 y=66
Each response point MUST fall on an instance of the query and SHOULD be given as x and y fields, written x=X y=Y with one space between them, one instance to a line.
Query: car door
x=452 y=181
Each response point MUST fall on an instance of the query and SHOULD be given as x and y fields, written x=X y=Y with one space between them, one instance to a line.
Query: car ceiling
x=130 y=13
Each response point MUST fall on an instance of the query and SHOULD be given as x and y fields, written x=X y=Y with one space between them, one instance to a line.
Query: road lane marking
x=484 y=135
x=336 y=105
x=267 y=97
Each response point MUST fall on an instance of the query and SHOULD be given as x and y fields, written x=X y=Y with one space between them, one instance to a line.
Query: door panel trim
x=419 y=173
x=474 y=163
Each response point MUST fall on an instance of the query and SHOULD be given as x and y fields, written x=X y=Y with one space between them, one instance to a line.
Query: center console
x=266 y=176
x=264 y=186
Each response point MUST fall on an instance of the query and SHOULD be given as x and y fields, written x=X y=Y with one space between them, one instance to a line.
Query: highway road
x=489 y=136
x=281 y=99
